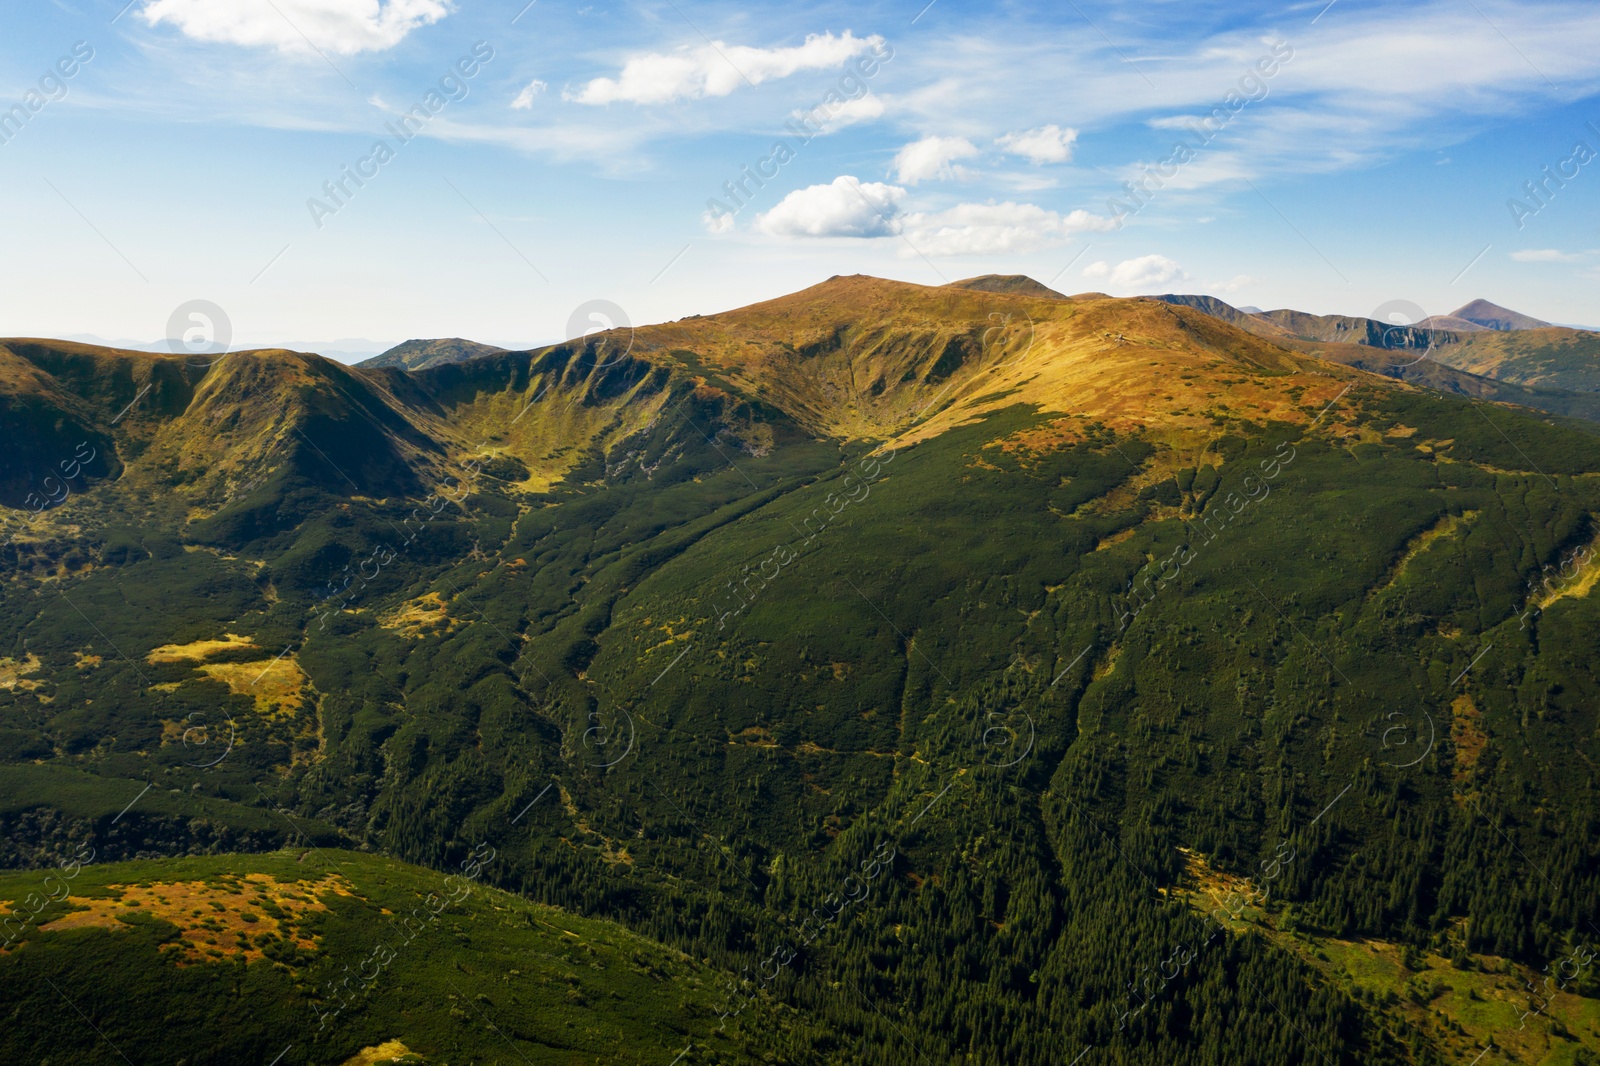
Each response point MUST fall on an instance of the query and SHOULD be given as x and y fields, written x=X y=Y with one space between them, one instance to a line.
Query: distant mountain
x=1493 y=316
x=1286 y=324
x=1552 y=362
x=421 y=354
x=1450 y=322
x=343 y=349
x=1010 y=284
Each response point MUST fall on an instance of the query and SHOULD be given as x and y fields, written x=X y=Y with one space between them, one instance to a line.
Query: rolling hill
x=326 y=956
x=966 y=672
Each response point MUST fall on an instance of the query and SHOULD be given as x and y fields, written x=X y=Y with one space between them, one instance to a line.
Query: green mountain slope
x=313 y=956
x=1555 y=358
x=928 y=651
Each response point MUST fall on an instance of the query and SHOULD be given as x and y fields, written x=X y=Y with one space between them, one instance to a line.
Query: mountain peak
x=1493 y=316
x=421 y=354
x=1011 y=284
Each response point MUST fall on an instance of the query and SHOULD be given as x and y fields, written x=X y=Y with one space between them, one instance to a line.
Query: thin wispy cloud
x=717 y=69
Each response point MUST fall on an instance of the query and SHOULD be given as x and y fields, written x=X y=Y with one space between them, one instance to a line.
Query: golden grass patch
x=13 y=672
x=416 y=617
x=198 y=651
x=215 y=919
x=386 y=1052
x=277 y=685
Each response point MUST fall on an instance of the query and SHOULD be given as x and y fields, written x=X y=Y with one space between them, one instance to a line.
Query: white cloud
x=524 y=100
x=1235 y=284
x=995 y=228
x=1544 y=255
x=717 y=221
x=1143 y=273
x=717 y=69
x=825 y=118
x=932 y=157
x=844 y=208
x=343 y=27
x=1047 y=144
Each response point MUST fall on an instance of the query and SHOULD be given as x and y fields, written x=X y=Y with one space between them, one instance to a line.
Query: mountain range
x=877 y=673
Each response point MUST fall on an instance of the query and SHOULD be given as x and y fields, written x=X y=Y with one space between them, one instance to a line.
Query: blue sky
x=1353 y=154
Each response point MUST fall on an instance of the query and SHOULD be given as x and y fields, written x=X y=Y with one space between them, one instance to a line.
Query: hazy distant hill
x=1493 y=316
x=421 y=354
x=1554 y=365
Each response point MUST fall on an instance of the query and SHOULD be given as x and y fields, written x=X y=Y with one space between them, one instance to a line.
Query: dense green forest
x=1044 y=736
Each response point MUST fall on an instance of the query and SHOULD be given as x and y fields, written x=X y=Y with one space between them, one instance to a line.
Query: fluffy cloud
x=1543 y=255
x=1046 y=144
x=932 y=157
x=851 y=208
x=343 y=27
x=524 y=100
x=717 y=69
x=844 y=208
x=993 y=228
x=1145 y=272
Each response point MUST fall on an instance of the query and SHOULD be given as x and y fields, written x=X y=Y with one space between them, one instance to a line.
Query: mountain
x=1450 y=322
x=1299 y=325
x=1548 y=368
x=421 y=354
x=1492 y=316
x=987 y=673
x=1013 y=284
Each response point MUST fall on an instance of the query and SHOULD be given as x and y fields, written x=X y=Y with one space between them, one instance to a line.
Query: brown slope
x=855 y=358
x=865 y=358
x=1013 y=284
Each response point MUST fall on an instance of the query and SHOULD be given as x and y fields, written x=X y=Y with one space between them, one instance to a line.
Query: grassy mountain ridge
x=895 y=642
